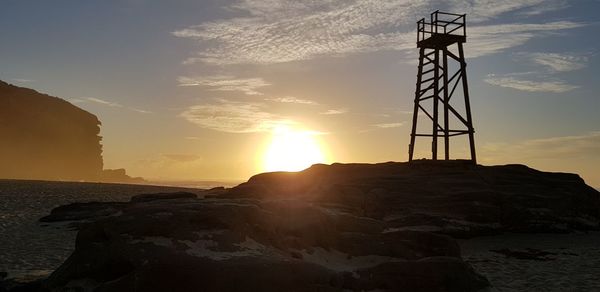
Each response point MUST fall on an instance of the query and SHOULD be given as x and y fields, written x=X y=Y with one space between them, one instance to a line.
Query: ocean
x=30 y=249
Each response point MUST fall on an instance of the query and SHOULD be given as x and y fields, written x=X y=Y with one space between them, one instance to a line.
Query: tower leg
x=446 y=105
x=463 y=68
x=436 y=96
x=411 y=146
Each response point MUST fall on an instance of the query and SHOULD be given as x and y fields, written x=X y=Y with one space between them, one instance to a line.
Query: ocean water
x=30 y=249
x=572 y=263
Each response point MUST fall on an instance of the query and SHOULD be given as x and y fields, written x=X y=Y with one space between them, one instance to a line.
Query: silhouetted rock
x=118 y=175
x=83 y=211
x=343 y=227
x=451 y=197
x=47 y=138
x=177 y=242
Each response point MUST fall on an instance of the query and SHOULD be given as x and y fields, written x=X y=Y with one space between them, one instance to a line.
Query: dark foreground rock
x=353 y=227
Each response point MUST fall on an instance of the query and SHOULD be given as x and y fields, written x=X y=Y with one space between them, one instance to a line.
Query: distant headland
x=47 y=138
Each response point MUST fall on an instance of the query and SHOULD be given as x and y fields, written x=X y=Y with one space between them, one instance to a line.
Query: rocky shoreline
x=354 y=227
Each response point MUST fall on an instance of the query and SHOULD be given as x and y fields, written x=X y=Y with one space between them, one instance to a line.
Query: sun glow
x=292 y=150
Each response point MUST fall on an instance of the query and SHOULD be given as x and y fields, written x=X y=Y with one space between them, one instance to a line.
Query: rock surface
x=450 y=197
x=353 y=227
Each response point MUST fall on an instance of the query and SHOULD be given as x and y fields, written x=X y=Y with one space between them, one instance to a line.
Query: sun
x=292 y=150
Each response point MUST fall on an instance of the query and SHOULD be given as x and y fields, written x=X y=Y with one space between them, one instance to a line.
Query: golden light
x=292 y=150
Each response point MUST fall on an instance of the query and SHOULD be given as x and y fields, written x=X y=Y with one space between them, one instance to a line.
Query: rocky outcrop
x=187 y=244
x=449 y=197
x=341 y=227
x=47 y=138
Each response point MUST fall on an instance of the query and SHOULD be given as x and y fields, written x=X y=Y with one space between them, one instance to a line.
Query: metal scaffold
x=437 y=83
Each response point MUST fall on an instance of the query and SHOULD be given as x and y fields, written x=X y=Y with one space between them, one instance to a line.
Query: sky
x=196 y=90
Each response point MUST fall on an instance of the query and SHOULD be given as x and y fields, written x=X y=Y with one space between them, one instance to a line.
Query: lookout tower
x=437 y=83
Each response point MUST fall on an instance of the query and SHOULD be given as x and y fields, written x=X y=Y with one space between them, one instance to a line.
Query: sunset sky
x=193 y=90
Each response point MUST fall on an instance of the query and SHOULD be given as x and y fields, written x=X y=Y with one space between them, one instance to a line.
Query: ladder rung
x=426 y=98
x=428 y=79
x=430 y=70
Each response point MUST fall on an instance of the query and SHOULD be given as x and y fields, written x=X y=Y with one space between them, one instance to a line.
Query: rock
x=214 y=192
x=162 y=196
x=257 y=245
x=450 y=197
x=118 y=175
x=343 y=227
x=83 y=211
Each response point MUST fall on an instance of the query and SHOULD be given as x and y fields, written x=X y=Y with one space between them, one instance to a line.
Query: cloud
x=389 y=125
x=335 y=111
x=248 y=86
x=549 y=6
x=103 y=102
x=291 y=99
x=233 y=117
x=22 y=80
x=556 y=86
x=141 y=111
x=182 y=157
x=107 y=103
x=276 y=31
x=559 y=62
x=193 y=138
x=286 y=30
x=491 y=39
x=483 y=10
x=564 y=147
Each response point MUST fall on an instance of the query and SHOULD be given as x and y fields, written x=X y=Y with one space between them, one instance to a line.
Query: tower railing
x=442 y=23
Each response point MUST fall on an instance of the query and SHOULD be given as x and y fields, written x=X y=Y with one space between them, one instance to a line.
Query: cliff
x=47 y=138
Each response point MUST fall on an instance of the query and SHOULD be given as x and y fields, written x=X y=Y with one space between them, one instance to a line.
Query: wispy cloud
x=107 y=103
x=234 y=117
x=559 y=62
x=141 y=111
x=22 y=80
x=548 y=6
x=556 y=86
x=335 y=111
x=291 y=99
x=479 y=10
x=277 y=31
x=183 y=157
x=389 y=125
x=248 y=86
x=103 y=102
x=563 y=147
x=491 y=39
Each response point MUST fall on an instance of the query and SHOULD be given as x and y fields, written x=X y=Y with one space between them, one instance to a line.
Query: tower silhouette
x=436 y=85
